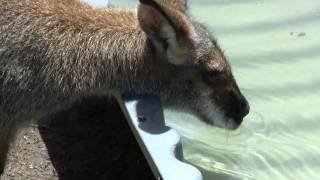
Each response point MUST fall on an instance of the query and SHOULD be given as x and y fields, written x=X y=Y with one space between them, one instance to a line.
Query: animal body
x=53 y=52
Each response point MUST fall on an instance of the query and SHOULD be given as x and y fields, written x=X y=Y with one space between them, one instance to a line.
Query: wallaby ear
x=169 y=29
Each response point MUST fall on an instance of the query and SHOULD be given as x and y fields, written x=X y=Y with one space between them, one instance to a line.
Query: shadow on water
x=224 y=2
x=261 y=27
x=286 y=91
x=292 y=89
x=92 y=140
x=302 y=124
x=276 y=57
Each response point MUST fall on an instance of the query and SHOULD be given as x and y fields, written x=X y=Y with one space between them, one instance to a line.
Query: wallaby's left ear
x=169 y=28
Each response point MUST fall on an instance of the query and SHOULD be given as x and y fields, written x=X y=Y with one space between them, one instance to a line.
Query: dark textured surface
x=91 y=140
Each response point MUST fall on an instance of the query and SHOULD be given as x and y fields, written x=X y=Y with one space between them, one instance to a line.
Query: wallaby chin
x=53 y=52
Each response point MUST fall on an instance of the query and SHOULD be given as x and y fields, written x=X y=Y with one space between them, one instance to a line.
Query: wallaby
x=53 y=52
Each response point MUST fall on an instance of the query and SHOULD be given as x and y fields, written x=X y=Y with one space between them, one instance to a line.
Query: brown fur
x=53 y=52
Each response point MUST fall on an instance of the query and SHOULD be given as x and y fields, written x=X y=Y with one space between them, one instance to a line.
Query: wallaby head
x=202 y=81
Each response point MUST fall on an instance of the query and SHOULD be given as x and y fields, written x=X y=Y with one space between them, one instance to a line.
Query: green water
x=274 y=49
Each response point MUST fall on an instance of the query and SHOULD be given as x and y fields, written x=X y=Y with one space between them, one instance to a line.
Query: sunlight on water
x=274 y=49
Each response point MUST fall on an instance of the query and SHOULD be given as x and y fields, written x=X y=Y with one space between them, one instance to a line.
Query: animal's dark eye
x=213 y=78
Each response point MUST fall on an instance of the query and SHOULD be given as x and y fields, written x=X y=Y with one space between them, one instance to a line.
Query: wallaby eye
x=213 y=78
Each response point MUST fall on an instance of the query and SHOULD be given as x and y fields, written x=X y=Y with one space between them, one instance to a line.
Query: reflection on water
x=274 y=48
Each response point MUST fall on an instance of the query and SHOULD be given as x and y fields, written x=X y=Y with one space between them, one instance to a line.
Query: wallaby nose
x=244 y=108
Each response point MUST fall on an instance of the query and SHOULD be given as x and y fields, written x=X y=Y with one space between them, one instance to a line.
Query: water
x=274 y=49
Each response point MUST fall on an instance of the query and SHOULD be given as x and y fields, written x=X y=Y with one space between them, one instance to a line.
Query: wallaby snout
x=244 y=107
x=238 y=107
